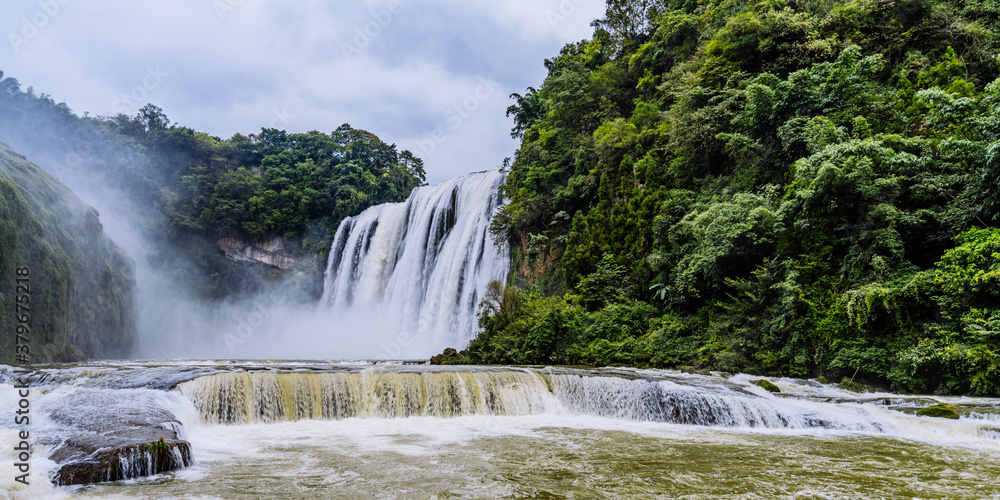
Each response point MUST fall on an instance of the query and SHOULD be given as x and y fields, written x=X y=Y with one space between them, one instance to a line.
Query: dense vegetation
x=76 y=296
x=785 y=187
x=191 y=188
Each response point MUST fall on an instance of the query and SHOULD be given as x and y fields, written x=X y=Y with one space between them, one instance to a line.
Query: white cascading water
x=138 y=462
x=412 y=274
x=247 y=397
x=667 y=401
x=242 y=397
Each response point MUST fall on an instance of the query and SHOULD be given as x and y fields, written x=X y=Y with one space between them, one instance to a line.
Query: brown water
x=572 y=457
x=322 y=431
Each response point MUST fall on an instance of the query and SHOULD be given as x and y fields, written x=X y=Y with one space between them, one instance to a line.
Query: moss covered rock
x=451 y=357
x=940 y=410
x=126 y=462
x=79 y=282
x=767 y=385
x=855 y=386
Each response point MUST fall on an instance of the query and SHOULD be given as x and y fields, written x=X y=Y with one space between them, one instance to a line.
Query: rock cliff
x=79 y=287
x=271 y=251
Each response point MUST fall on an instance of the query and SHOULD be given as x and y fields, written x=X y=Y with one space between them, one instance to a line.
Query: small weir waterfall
x=412 y=274
x=242 y=397
x=328 y=429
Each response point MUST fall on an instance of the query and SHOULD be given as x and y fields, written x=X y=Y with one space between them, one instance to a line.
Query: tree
x=526 y=110
x=153 y=118
x=630 y=20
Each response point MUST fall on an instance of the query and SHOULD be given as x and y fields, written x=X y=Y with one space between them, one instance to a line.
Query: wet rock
x=695 y=371
x=451 y=357
x=125 y=462
x=767 y=385
x=855 y=386
x=113 y=435
x=940 y=410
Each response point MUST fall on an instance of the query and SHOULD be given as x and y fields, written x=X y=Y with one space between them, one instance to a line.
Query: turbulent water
x=340 y=430
x=420 y=267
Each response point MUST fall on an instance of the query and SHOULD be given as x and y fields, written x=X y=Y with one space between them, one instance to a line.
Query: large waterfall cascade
x=413 y=273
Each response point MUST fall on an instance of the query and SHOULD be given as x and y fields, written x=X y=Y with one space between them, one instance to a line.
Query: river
x=260 y=429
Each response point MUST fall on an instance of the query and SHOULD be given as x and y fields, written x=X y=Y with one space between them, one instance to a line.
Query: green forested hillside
x=189 y=188
x=75 y=295
x=781 y=187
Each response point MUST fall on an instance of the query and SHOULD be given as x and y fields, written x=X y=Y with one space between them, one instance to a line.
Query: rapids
x=260 y=429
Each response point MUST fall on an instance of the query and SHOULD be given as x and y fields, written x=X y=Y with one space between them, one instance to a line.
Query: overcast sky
x=431 y=76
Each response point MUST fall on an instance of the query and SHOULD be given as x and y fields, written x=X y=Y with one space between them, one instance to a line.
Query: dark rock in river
x=767 y=385
x=114 y=435
x=125 y=462
x=451 y=357
x=940 y=410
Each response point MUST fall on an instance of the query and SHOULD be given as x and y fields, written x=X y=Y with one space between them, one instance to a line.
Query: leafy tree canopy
x=777 y=185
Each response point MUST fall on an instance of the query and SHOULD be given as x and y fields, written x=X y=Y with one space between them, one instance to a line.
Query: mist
x=174 y=317
x=402 y=280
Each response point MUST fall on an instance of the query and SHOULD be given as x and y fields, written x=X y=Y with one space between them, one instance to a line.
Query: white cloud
x=229 y=71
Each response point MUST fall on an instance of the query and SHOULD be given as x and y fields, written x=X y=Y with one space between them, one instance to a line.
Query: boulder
x=125 y=462
x=940 y=410
x=108 y=435
x=767 y=385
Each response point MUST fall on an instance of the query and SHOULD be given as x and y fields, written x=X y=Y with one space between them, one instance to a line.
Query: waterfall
x=247 y=397
x=413 y=273
x=108 y=421
x=667 y=401
x=242 y=397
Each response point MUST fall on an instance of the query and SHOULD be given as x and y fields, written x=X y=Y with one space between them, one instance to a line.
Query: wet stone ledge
x=113 y=435
x=126 y=462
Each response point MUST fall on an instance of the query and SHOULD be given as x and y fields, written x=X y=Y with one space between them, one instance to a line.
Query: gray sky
x=432 y=76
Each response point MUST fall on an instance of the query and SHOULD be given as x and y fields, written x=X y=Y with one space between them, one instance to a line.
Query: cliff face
x=271 y=251
x=80 y=282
